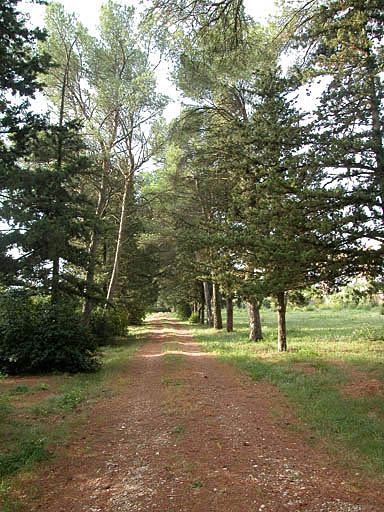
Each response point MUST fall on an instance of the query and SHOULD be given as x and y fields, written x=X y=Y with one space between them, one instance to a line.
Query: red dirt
x=365 y=387
x=195 y=436
x=360 y=384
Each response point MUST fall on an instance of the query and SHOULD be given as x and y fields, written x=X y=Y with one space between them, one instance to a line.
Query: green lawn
x=329 y=353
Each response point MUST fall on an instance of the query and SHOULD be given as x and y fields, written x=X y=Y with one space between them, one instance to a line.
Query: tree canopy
x=248 y=193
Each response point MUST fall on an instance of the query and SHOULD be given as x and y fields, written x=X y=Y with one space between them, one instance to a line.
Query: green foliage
x=29 y=452
x=297 y=298
x=46 y=212
x=21 y=389
x=107 y=323
x=183 y=310
x=136 y=313
x=179 y=429
x=20 y=65
x=36 y=336
x=194 y=318
x=120 y=107
x=343 y=40
x=63 y=402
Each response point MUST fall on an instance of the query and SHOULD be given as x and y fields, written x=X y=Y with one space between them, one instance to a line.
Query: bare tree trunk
x=120 y=238
x=229 y=306
x=217 y=318
x=255 y=331
x=208 y=304
x=281 y=324
x=55 y=288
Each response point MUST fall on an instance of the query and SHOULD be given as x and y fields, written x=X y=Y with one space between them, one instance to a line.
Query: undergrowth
x=35 y=419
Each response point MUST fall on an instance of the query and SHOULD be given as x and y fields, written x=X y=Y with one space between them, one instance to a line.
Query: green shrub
x=194 y=318
x=107 y=323
x=39 y=337
x=266 y=303
x=183 y=310
x=135 y=314
x=298 y=299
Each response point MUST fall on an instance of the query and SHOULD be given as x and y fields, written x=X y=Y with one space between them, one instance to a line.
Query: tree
x=198 y=16
x=344 y=43
x=19 y=69
x=20 y=65
x=283 y=226
x=288 y=230
x=111 y=87
x=45 y=210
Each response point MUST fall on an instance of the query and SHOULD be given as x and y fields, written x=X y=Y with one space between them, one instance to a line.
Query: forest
x=268 y=184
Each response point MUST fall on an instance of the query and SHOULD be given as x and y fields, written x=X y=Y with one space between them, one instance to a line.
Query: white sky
x=88 y=13
x=88 y=10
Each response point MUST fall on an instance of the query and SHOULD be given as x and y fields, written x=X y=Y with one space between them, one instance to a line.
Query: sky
x=88 y=12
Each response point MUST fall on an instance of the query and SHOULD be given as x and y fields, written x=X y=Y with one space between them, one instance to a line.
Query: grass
x=37 y=415
x=327 y=350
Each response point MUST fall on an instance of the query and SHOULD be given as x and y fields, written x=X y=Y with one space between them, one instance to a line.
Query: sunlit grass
x=327 y=350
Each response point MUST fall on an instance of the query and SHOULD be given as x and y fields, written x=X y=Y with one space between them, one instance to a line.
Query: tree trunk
x=120 y=238
x=281 y=324
x=55 y=280
x=208 y=304
x=229 y=305
x=88 y=304
x=255 y=331
x=217 y=318
x=202 y=308
x=201 y=314
x=89 y=301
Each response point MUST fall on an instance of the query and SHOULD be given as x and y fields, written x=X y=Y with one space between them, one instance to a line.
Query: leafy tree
x=39 y=171
x=287 y=228
x=47 y=214
x=283 y=226
x=111 y=87
x=198 y=16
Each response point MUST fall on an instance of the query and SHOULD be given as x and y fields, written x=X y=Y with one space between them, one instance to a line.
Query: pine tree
x=46 y=212
x=344 y=42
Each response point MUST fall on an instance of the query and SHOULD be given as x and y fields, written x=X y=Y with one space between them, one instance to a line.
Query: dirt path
x=191 y=434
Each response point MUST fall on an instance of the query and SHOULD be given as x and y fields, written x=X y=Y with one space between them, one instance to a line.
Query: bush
x=266 y=303
x=135 y=314
x=298 y=299
x=194 y=318
x=183 y=310
x=39 y=337
x=107 y=324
